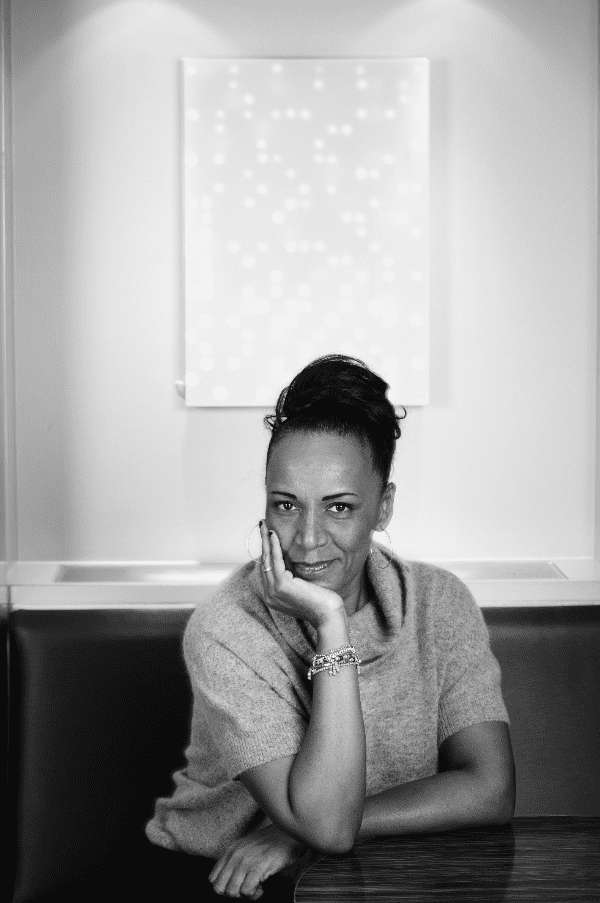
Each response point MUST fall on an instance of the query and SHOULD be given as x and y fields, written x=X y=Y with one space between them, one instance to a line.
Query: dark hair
x=339 y=394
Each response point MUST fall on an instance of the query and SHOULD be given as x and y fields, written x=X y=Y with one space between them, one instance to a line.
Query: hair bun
x=340 y=394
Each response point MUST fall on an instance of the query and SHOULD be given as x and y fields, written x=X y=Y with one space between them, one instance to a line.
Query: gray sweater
x=427 y=672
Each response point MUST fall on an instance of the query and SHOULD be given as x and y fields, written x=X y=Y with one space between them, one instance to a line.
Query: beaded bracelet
x=333 y=659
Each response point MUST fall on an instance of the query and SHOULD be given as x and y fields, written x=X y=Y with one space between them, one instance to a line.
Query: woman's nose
x=310 y=533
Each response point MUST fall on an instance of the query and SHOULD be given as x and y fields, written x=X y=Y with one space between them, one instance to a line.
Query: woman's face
x=324 y=499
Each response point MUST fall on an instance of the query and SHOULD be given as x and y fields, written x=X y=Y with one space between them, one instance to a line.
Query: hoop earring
x=389 y=538
x=249 y=537
x=389 y=546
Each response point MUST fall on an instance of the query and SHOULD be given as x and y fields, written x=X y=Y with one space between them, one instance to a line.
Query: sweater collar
x=374 y=629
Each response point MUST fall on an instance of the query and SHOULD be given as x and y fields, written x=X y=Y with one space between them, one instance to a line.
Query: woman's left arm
x=474 y=786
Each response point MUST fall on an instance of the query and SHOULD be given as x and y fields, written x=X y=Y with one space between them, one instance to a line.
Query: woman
x=401 y=729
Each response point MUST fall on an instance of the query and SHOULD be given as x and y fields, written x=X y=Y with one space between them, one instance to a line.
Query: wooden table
x=548 y=859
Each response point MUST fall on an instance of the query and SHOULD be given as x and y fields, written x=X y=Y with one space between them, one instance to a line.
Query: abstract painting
x=306 y=222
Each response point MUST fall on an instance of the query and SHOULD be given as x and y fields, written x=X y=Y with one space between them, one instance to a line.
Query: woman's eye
x=284 y=506
x=341 y=507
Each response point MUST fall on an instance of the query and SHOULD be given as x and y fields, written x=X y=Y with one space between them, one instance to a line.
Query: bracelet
x=333 y=659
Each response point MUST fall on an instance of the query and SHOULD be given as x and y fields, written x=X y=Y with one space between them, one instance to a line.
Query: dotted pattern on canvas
x=306 y=222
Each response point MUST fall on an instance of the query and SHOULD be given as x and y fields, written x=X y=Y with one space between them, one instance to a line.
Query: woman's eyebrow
x=326 y=498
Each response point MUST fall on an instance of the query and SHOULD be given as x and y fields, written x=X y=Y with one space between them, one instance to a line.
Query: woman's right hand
x=292 y=595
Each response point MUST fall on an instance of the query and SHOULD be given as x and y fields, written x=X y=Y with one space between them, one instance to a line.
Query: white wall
x=111 y=464
x=8 y=504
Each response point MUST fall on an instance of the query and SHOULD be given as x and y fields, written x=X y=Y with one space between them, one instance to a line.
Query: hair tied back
x=338 y=393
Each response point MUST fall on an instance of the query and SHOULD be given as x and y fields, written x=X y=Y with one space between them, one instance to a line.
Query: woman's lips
x=306 y=570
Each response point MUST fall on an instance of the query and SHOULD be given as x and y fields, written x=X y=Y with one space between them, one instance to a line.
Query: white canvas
x=306 y=199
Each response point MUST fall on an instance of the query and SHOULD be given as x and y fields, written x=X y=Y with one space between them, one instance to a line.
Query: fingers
x=251 y=886
x=221 y=873
x=237 y=877
x=272 y=563
x=272 y=555
x=245 y=882
x=266 y=569
x=217 y=868
x=266 y=559
x=277 y=555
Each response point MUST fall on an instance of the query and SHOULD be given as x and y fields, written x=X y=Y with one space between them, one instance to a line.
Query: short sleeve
x=250 y=722
x=469 y=677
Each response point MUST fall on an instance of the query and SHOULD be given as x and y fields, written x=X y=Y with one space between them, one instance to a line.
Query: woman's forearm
x=328 y=778
x=442 y=802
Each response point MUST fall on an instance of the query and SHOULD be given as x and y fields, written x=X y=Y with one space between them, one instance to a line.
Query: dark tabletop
x=551 y=859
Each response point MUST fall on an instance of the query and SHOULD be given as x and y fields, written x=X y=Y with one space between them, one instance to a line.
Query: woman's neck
x=357 y=597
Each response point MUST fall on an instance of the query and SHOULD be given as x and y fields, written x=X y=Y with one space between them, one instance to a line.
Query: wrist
x=331 y=614
x=332 y=630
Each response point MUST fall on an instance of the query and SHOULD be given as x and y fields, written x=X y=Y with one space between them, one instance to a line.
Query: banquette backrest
x=99 y=708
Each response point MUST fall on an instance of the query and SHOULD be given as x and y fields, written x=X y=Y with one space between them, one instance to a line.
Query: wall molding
x=42 y=584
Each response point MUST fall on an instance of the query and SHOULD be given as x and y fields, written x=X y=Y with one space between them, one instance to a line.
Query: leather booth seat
x=99 y=709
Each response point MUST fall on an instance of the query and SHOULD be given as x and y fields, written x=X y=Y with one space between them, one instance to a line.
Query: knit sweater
x=427 y=671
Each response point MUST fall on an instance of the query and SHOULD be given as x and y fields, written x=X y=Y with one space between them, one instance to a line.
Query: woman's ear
x=386 y=506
